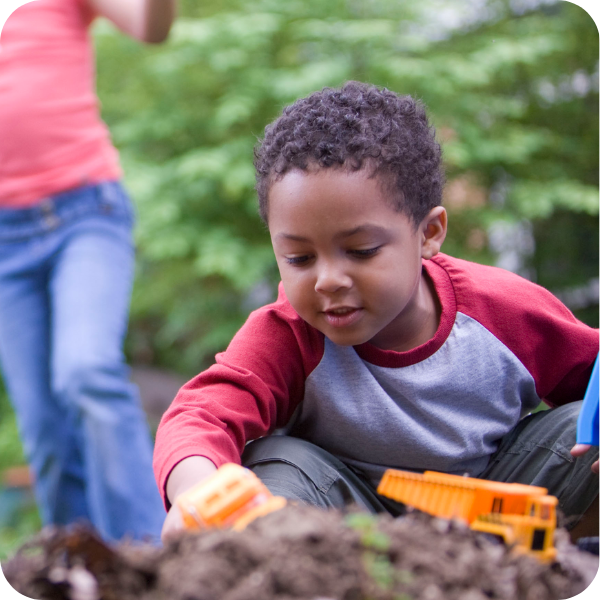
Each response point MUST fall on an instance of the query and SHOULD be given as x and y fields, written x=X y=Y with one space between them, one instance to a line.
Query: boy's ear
x=433 y=231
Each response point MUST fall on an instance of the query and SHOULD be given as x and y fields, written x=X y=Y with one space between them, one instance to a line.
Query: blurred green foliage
x=513 y=96
x=11 y=451
x=26 y=524
x=24 y=520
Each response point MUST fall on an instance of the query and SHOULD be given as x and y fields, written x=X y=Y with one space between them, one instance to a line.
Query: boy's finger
x=580 y=449
x=173 y=523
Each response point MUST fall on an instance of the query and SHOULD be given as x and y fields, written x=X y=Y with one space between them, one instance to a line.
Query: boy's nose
x=331 y=279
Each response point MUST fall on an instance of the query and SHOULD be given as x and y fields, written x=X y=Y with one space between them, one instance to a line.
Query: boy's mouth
x=342 y=316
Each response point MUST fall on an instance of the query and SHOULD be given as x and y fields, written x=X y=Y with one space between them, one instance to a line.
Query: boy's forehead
x=301 y=186
x=343 y=198
x=316 y=179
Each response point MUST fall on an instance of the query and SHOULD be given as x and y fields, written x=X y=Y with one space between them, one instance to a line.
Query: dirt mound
x=299 y=553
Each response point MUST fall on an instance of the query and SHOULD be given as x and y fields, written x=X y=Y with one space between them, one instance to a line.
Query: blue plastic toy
x=587 y=422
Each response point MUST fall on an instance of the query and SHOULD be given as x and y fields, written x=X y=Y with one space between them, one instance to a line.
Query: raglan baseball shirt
x=503 y=344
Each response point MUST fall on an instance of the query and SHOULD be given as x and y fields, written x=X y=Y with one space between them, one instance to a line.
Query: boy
x=380 y=351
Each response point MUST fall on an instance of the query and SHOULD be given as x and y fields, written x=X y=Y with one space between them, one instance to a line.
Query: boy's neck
x=419 y=325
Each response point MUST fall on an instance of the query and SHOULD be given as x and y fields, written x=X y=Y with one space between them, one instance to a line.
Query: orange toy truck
x=231 y=497
x=524 y=516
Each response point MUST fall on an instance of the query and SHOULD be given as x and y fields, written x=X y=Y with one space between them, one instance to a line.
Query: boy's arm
x=216 y=413
x=145 y=20
x=254 y=387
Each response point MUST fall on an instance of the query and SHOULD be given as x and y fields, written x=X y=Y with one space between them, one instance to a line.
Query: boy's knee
x=566 y=417
x=554 y=429
x=292 y=468
x=305 y=473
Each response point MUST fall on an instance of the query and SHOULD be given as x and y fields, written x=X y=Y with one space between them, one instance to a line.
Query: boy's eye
x=297 y=260
x=366 y=253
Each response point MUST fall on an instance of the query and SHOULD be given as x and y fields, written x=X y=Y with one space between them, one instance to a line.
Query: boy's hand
x=173 y=523
x=580 y=450
x=186 y=474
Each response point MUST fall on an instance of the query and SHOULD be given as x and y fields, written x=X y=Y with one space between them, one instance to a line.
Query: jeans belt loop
x=51 y=221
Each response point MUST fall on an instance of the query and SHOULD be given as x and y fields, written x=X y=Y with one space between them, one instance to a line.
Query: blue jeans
x=66 y=268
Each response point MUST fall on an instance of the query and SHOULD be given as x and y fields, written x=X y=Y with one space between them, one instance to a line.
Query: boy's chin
x=345 y=340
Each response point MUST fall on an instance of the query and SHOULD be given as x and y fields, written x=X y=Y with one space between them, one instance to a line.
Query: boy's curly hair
x=356 y=126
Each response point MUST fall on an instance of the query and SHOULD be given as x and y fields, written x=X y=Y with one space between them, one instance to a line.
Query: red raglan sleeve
x=253 y=388
x=556 y=348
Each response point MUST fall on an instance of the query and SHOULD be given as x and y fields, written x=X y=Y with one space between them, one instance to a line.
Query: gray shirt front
x=445 y=413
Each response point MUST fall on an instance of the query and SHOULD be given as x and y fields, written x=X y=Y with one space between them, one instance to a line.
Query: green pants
x=535 y=452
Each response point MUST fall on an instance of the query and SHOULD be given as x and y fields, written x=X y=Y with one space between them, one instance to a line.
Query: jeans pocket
x=114 y=201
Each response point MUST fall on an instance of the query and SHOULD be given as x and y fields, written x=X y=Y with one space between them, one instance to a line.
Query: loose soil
x=299 y=553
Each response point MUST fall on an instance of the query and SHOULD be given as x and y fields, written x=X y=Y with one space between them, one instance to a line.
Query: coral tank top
x=51 y=136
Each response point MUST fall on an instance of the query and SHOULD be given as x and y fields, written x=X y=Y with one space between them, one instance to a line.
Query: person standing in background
x=66 y=269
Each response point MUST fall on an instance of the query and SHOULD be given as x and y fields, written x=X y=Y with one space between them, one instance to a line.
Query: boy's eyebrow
x=367 y=228
x=289 y=236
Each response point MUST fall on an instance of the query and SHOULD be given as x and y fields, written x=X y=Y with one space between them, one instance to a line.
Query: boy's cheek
x=300 y=303
x=296 y=282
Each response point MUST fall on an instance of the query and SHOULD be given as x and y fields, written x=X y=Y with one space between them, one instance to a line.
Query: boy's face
x=350 y=262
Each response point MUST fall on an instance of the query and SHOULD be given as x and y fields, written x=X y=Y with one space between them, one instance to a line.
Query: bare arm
x=184 y=475
x=145 y=20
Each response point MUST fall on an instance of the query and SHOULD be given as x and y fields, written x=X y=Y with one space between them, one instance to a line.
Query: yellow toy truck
x=524 y=516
